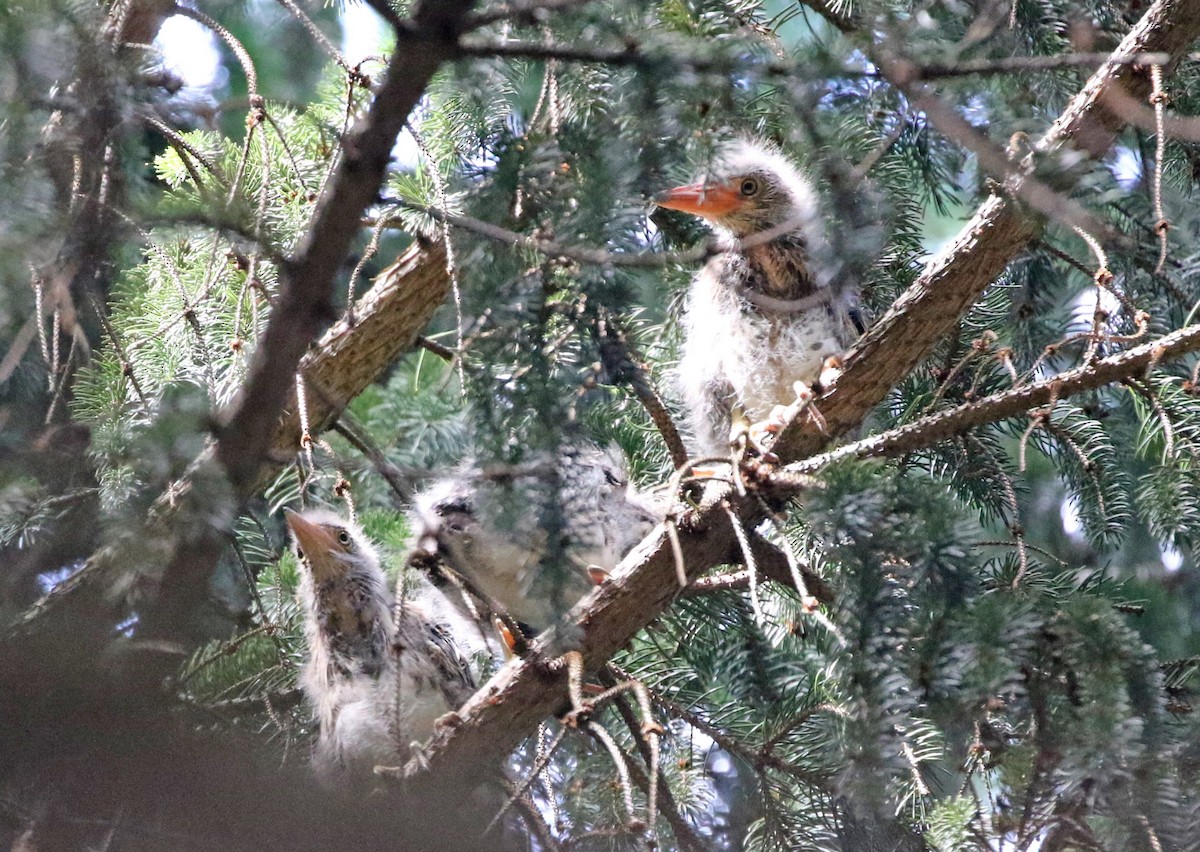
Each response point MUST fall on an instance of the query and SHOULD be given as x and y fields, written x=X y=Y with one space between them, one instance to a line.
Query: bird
x=764 y=313
x=535 y=538
x=379 y=676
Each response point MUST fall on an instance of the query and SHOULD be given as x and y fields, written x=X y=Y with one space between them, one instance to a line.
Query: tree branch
x=245 y=431
x=186 y=529
x=956 y=277
x=945 y=424
x=385 y=322
x=525 y=691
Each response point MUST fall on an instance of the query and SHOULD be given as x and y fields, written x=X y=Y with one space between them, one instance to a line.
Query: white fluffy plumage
x=760 y=316
x=496 y=532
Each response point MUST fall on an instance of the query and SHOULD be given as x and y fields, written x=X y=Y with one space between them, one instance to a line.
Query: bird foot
x=418 y=758
x=749 y=439
x=780 y=416
x=831 y=371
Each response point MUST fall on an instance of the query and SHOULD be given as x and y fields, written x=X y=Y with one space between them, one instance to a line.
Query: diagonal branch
x=246 y=430
x=525 y=691
x=956 y=277
x=187 y=529
x=352 y=354
x=935 y=428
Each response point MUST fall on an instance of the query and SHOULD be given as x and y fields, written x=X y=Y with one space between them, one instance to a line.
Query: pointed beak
x=315 y=541
x=711 y=200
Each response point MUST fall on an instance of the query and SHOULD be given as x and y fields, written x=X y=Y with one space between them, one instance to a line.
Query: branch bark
x=352 y=354
x=956 y=277
x=525 y=691
x=935 y=428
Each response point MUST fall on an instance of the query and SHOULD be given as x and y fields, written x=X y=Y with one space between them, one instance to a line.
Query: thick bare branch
x=351 y=355
x=246 y=430
x=526 y=690
x=223 y=478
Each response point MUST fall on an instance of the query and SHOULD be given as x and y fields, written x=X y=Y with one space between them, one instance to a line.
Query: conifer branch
x=186 y=528
x=385 y=322
x=245 y=432
x=999 y=230
x=935 y=428
x=526 y=691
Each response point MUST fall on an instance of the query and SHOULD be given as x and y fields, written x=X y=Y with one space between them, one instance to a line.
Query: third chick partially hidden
x=526 y=537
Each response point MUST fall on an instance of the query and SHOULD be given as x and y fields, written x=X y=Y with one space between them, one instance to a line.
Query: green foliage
x=978 y=678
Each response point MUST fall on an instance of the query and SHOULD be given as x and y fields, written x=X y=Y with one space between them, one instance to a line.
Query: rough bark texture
x=938 y=427
x=352 y=354
x=388 y=319
x=510 y=706
x=247 y=428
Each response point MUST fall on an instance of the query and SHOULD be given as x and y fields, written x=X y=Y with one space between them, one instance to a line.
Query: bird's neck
x=780 y=268
x=353 y=621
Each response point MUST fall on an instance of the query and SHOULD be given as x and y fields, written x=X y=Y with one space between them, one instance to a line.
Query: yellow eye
x=749 y=187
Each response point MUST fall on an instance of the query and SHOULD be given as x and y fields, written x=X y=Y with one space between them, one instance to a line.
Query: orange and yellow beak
x=710 y=200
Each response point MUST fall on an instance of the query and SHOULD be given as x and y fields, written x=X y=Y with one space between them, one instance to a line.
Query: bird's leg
x=580 y=708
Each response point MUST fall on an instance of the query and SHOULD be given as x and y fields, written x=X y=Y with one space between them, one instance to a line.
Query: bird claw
x=418 y=758
x=831 y=371
x=777 y=420
x=748 y=438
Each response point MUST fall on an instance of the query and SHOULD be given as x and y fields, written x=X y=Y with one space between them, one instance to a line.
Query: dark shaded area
x=124 y=776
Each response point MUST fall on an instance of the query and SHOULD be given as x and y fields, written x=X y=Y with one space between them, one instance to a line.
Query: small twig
x=934 y=428
x=618 y=759
x=539 y=765
x=319 y=37
x=433 y=347
x=619 y=362
x=685 y=835
x=552 y=248
x=519 y=9
x=739 y=531
x=1151 y=397
x=1159 y=99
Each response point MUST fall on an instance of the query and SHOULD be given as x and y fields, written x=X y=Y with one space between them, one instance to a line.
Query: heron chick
x=378 y=677
x=761 y=315
x=534 y=538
